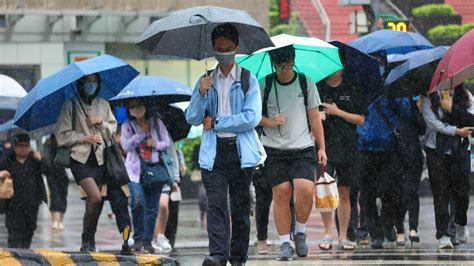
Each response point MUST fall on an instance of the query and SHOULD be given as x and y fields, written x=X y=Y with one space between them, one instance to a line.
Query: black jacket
x=28 y=184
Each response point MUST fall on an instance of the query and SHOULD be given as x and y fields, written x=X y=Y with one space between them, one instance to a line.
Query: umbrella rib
x=261 y=64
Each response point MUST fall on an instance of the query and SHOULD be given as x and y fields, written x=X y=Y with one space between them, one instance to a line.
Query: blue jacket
x=374 y=134
x=246 y=115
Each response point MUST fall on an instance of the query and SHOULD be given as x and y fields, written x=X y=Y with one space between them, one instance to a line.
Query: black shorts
x=285 y=165
x=342 y=172
x=91 y=168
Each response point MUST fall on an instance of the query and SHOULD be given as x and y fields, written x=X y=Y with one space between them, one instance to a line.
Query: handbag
x=6 y=188
x=63 y=155
x=327 y=195
x=116 y=172
x=154 y=175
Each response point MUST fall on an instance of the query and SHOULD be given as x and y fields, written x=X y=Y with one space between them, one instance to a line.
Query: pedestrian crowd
x=278 y=135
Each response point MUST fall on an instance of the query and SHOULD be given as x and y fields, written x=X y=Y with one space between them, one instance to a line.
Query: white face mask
x=138 y=112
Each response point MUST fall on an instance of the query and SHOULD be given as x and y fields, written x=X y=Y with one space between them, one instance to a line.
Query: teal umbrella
x=315 y=58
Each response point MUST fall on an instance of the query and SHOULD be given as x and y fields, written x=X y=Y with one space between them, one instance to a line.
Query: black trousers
x=449 y=178
x=410 y=198
x=381 y=178
x=58 y=186
x=21 y=225
x=172 y=224
x=263 y=196
x=228 y=176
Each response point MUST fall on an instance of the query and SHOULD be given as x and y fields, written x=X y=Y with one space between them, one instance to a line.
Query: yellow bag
x=326 y=196
x=6 y=188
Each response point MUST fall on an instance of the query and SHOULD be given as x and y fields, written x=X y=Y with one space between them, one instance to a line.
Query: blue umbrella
x=413 y=77
x=420 y=58
x=362 y=69
x=160 y=93
x=393 y=58
x=156 y=88
x=42 y=106
x=391 y=42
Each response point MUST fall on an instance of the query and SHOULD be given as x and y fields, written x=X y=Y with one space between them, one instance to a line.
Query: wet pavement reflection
x=191 y=241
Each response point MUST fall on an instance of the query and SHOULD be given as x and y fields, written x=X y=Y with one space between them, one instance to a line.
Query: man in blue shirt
x=228 y=155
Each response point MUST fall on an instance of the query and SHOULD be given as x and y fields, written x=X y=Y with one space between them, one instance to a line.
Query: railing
x=324 y=17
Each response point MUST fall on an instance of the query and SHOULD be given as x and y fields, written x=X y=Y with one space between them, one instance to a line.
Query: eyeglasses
x=284 y=67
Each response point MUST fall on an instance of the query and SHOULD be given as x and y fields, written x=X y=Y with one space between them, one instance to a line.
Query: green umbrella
x=315 y=58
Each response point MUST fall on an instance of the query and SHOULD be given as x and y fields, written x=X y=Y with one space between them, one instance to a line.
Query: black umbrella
x=362 y=69
x=187 y=33
x=175 y=121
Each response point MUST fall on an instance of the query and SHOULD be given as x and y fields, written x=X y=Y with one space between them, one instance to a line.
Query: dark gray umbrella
x=187 y=33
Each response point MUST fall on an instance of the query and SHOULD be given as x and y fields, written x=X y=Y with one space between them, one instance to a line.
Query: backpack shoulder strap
x=304 y=90
x=245 y=80
x=266 y=93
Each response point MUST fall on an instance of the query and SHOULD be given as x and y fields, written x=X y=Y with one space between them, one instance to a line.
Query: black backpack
x=269 y=80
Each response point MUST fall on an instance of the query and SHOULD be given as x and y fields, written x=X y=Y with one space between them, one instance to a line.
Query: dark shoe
x=377 y=244
x=88 y=243
x=138 y=246
x=414 y=238
x=301 y=247
x=211 y=261
x=237 y=263
x=148 y=248
x=286 y=252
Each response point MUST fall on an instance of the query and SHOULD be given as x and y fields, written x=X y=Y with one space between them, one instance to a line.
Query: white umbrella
x=10 y=93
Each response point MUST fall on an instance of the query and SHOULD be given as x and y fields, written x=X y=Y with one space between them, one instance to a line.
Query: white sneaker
x=445 y=243
x=462 y=234
x=163 y=244
x=156 y=246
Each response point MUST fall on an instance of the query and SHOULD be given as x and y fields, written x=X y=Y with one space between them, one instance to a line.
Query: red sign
x=284 y=10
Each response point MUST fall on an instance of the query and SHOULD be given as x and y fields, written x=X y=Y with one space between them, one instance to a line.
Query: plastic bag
x=326 y=196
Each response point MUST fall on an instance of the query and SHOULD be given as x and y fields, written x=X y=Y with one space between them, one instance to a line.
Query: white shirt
x=224 y=85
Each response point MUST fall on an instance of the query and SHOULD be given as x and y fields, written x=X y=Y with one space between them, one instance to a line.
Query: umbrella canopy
x=154 y=88
x=315 y=58
x=187 y=33
x=394 y=58
x=175 y=121
x=421 y=58
x=10 y=93
x=456 y=66
x=42 y=106
x=10 y=128
x=391 y=42
x=160 y=93
x=362 y=69
x=195 y=131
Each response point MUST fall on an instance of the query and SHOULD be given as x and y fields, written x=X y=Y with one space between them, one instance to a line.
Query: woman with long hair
x=449 y=120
